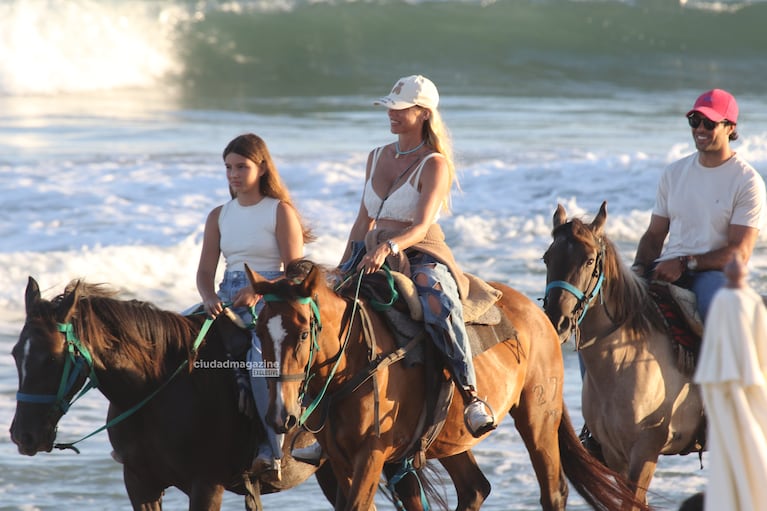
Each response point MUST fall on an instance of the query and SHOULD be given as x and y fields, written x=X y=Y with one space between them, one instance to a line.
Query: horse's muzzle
x=30 y=442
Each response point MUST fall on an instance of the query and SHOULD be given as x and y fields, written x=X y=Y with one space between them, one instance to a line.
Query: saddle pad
x=477 y=307
x=674 y=304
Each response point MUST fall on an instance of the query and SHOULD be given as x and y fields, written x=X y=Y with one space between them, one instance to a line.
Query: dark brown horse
x=320 y=342
x=637 y=401
x=189 y=434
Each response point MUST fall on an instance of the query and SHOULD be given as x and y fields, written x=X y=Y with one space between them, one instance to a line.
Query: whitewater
x=113 y=116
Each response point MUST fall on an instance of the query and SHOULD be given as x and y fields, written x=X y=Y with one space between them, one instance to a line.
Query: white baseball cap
x=410 y=91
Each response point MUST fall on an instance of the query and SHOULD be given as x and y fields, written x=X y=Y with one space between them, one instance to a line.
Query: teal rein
x=72 y=340
x=317 y=322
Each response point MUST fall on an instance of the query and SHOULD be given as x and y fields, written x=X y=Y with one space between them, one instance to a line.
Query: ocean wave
x=217 y=50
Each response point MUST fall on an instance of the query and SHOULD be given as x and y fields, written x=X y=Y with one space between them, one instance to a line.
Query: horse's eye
x=590 y=261
x=304 y=336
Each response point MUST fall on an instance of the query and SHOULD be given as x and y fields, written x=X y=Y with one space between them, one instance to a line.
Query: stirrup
x=311 y=454
x=477 y=420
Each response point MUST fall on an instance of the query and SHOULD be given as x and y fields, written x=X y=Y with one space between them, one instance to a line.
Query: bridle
x=584 y=298
x=78 y=359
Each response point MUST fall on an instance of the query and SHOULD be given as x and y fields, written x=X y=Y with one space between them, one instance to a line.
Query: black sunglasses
x=695 y=120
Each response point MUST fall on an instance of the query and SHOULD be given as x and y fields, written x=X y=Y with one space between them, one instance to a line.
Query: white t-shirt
x=701 y=203
x=248 y=235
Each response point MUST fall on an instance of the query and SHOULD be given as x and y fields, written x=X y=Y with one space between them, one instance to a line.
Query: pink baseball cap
x=410 y=91
x=717 y=105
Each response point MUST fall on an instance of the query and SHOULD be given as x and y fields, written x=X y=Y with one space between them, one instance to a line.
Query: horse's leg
x=328 y=482
x=539 y=431
x=640 y=474
x=143 y=496
x=367 y=469
x=471 y=485
x=206 y=497
x=406 y=490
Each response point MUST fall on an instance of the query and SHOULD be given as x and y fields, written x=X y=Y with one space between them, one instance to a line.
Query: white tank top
x=249 y=235
x=402 y=203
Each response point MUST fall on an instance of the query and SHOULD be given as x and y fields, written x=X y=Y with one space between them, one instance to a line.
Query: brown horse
x=188 y=434
x=366 y=410
x=637 y=402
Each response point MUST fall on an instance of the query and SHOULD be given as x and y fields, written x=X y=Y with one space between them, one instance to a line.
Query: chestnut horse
x=179 y=428
x=366 y=410
x=637 y=402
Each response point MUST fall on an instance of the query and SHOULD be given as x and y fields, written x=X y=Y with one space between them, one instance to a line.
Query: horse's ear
x=31 y=295
x=254 y=277
x=311 y=282
x=69 y=301
x=560 y=216
x=599 y=221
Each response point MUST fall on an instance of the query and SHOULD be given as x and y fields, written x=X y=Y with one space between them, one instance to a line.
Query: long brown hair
x=270 y=184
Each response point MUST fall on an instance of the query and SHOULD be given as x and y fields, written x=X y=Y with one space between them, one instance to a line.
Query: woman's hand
x=372 y=261
x=213 y=306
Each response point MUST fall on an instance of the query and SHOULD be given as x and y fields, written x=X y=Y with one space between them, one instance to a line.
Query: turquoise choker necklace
x=411 y=151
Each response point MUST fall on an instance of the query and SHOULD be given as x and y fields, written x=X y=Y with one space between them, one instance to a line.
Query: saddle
x=676 y=306
x=486 y=326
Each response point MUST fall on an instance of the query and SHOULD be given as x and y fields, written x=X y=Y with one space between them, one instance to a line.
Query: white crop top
x=402 y=203
x=248 y=235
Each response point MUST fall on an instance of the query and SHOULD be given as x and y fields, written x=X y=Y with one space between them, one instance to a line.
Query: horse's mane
x=626 y=294
x=134 y=330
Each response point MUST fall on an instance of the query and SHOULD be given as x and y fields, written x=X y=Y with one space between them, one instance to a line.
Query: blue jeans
x=231 y=284
x=447 y=329
x=705 y=284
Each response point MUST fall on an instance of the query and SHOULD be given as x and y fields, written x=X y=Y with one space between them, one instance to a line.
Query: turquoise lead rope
x=69 y=331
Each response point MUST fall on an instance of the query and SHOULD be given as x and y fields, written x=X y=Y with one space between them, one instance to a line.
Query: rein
x=68 y=378
x=315 y=328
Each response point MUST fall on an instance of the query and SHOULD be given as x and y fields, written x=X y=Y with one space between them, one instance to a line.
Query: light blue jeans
x=231 y=284
x=447 y=329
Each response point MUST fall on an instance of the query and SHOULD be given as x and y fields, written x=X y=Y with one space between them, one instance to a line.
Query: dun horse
x=188 y=434
x=637 y=402
x=367 y=408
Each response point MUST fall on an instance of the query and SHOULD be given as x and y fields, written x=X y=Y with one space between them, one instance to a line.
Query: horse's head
x=51 y=365
x=574 y=269
x=289 y=327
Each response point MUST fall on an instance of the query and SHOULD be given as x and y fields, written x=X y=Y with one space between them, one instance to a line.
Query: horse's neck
x=126 y=363
x=347 y=341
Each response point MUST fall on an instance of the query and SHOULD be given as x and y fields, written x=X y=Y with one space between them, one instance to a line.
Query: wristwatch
x=692 y=263
x=393 y=247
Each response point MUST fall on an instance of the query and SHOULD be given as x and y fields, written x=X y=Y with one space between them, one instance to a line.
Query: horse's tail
x=419 y=489
x=603 y=488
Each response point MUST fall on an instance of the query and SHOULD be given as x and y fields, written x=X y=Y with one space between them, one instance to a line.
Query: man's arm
x=650 y=244
x=740 y=239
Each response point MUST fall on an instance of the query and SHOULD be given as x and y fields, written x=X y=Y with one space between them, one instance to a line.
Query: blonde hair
x=270 y=184
x=436 y=135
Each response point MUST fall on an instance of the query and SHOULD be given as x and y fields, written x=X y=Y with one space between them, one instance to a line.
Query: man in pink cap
x=710 y=205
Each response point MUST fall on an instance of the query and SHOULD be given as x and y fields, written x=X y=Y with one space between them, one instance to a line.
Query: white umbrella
x=732 y=373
